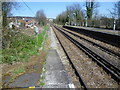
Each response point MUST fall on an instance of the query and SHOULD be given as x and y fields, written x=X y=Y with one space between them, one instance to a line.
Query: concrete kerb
x=57 y=77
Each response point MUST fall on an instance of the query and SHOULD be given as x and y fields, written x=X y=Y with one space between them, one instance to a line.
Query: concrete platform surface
x=113 y=32
x=56 y=76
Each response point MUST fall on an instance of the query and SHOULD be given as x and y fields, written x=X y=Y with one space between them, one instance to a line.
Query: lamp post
x=75 y=18
x=114 y=24
x=68 y=20
x=86 y=21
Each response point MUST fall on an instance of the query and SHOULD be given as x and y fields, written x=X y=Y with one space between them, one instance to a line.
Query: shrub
x=21 y=47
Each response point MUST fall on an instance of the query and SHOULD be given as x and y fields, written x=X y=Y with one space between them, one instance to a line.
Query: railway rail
x=83 y=84
x=105 y=37
x=95 y=44
x=110 y=57
x=109 y=68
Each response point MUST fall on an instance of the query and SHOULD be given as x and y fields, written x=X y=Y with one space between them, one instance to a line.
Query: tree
x=75 y=14
x=6 y=11
x=62 y=18
x=69 y=14
x=118 y=9
x=40 y=17
x=96 y=20
x=116 y=15
x=107 y=22
x=91 y=5
x=78 y=13
x=6 y=32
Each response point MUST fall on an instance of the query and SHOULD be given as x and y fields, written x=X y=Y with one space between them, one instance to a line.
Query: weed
x=22 y=47
x=18 y=71
x=42 y=83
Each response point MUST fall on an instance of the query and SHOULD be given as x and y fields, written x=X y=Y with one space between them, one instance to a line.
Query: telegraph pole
x=86 y=21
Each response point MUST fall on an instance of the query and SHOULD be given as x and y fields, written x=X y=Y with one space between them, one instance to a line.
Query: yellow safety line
x=32 y=87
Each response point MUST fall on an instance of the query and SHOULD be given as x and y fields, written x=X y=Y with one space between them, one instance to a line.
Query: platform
x=113 y=32
x=56 y=76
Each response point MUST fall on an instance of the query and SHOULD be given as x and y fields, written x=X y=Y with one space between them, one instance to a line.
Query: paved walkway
x=55 y=76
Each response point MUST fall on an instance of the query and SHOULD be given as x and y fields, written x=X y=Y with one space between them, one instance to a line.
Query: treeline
x=75 y=15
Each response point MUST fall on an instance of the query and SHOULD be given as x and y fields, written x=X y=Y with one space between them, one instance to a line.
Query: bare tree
x=118 y=6
x=6 y=11
x=75 y=14
x=78 y=13
x=69 y=14
x=115 y=13
x=40 y=17
x=62 y=18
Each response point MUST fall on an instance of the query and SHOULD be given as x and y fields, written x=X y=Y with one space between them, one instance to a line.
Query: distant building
x=50 y=19
x=18 y=21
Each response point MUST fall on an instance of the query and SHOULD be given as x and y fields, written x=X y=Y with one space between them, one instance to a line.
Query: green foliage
x=18 y=71
x=42 y=83
x=21 y=47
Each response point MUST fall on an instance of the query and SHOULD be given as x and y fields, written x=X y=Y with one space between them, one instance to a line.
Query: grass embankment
x=22 y=47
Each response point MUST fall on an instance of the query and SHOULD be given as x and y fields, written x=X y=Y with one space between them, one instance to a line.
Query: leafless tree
x=116 y=14
x=75 y=13
x=40 y=17
x=62 y=18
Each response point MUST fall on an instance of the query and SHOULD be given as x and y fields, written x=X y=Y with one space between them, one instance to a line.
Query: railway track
x=112 y=39
x=109 y=68
x=95 y=44
x=110 y=57
x=83 y=84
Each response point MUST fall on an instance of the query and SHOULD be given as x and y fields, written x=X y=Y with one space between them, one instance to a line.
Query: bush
x=21 y=47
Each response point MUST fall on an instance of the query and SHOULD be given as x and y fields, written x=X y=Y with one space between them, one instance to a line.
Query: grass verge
x=22 y=47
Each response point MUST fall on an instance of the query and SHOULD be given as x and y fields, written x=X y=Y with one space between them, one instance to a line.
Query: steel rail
x=95 y=44
x=106 y=61
x=73 y=65
x=115 y=72
x=104 y=37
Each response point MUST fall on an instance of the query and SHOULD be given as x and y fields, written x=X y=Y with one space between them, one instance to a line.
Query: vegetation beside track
x=21 y=46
